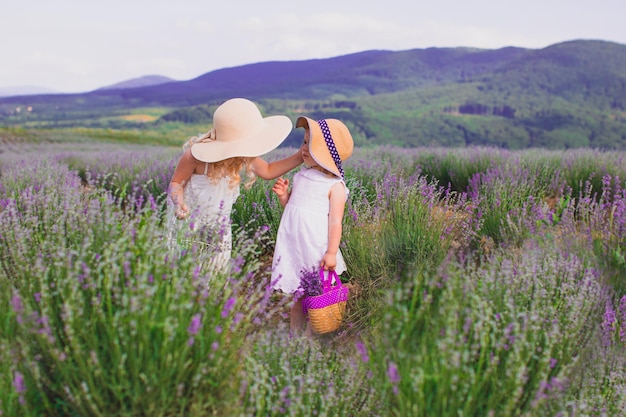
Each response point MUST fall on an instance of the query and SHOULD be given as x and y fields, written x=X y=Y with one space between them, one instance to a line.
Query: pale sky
x=81 y=45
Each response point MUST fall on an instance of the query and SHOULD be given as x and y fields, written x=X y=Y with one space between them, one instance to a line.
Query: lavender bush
x=501 y=338
x=108 y=321
x=484 y=282
x=302 y=377
x=137 y=175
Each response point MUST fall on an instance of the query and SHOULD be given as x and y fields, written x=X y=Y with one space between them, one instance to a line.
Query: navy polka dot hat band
x=330 y=143
x=328 y=137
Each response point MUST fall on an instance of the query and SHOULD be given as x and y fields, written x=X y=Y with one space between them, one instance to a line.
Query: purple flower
x=20 y=387
x=16 y=303
x=18 y=383
x=607 y=323
x=237 y=264
x=228 y=306
x=194 y=326
x=310 y=283
x=392 y=372
x=237 y=319
x=360 y=347
x=394 y=376
x=622 y=309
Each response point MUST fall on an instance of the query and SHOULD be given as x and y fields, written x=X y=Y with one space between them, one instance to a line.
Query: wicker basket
x=326 y=311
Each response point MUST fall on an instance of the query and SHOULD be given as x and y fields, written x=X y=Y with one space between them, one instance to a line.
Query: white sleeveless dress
x=302 y=237
x=210 y=204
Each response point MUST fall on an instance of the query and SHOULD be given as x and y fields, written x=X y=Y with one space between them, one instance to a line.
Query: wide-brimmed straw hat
x=239 y=129
x=330 y=142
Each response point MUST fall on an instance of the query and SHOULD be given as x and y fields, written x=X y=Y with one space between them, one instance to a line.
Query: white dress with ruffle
x=302 y=237
x=210 y=203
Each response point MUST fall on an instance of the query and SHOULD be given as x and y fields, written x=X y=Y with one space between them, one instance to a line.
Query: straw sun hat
x=330 y=142
x=240 y=130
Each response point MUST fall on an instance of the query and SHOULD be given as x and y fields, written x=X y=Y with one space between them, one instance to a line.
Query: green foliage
x=193 y=115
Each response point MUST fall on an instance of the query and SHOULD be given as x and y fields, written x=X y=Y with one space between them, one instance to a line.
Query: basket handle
x=328 y=281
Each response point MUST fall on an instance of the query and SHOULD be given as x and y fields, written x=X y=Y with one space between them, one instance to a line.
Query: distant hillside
x=354 y=75
x=148 y=80
x=571 y=94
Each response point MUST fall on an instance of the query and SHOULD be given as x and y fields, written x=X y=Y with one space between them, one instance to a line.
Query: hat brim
x=274 y=131
x=317 y=145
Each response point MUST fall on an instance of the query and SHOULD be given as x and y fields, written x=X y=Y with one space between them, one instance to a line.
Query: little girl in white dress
x=310 y=228
x=206 y=181
x=209 y=203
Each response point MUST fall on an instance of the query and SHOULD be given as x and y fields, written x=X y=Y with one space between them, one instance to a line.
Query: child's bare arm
x=269 y=171
x=281 y=189
x=184 y=170
x=337 y=201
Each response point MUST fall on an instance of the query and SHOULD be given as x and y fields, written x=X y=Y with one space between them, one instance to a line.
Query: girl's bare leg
x=298 y=319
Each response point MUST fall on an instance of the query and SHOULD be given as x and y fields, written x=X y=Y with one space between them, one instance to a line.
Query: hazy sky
x=80 y=45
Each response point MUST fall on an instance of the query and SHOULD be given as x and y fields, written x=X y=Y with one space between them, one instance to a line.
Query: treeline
x=204 y=113
x=482 y=109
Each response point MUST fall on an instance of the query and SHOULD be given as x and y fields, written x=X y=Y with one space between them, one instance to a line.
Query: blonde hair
x=230 y=167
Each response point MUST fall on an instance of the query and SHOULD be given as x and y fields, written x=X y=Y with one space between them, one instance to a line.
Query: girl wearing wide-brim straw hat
x=206 y=181
x=310 y=228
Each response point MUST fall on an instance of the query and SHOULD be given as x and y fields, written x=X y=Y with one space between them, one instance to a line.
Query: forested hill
x=569 y=94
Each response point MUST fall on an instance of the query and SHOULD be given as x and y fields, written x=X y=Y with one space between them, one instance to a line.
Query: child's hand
x=182 y=211
x=329 y=261
x=281 y=187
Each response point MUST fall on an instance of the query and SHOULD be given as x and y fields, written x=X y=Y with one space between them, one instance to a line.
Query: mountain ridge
x=144 y=81
x=568 y=94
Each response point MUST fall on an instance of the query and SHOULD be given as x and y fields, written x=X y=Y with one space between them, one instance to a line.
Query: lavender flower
x=360 y=347
x=228 y=306
x=20 y=386
x=16 y=303
x=310 y=283
x=607 y=324
x=196 y=323
x=394 y=376
x=18 y=383
x=18 y=307
x=622 y=309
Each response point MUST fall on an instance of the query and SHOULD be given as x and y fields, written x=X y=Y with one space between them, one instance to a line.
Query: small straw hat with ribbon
x=330 y=143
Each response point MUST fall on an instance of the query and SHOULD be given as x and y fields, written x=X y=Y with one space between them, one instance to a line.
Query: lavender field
x=484 y=282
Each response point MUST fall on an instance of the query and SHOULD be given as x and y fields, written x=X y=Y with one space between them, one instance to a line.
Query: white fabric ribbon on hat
x=206 y=137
